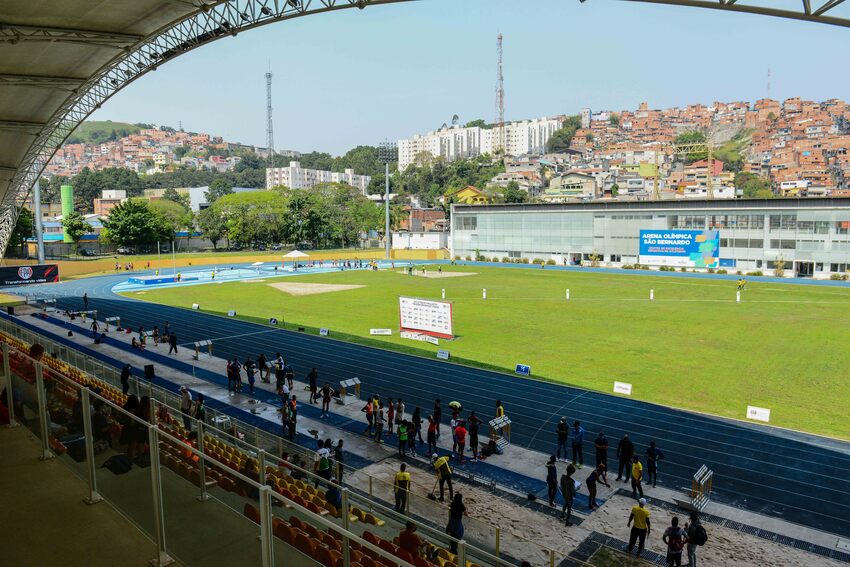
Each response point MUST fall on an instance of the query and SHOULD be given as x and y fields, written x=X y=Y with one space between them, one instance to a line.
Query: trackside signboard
x=680 y=248
x=425 y=316
x=23 y=275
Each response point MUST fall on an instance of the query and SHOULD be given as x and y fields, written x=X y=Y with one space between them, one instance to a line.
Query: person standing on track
x=438 y=416
x=625 y=452
x=403 y=432
x=578 y=443
x=379 y=423
x=250 y=370
x=229 y=369
x=568 y=491
x=460 y=435
x=313 y=376
x=172 y=343
x=601 y=444
x=432 y=434
x=474 y=423
x=563 y=431
x=289 y=374
x=642 y=527
x=552 y=479
x=416 y=426
x=327 y=394
x=237 y=375
x=653 y=455
x=86 y=300
x=637 y=477
x=390 y=415
x=367 y=409
x=263 y=367
x=399 y=412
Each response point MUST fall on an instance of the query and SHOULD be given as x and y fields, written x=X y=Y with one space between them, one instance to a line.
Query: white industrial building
x=296 y=177
x=458 y=142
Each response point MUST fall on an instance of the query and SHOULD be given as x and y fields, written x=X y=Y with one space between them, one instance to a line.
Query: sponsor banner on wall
x=23 y=275
x=680 y=248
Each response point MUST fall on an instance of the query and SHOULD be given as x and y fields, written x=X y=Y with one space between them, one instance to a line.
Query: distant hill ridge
x=99 y=131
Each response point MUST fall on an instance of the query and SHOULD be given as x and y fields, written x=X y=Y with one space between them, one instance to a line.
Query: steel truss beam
x=214 y=19
x=21 y=126
x=805 y=13
x=43 y=81
x=13 y=33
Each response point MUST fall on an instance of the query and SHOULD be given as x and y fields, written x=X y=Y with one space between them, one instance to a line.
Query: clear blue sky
x=359 y=76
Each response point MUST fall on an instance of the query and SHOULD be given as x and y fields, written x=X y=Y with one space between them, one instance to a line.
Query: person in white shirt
x=186 y=406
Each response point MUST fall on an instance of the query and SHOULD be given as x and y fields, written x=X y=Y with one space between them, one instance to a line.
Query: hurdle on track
x=200 y=345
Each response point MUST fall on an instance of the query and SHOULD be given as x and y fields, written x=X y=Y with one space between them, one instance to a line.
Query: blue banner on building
x=680 y=248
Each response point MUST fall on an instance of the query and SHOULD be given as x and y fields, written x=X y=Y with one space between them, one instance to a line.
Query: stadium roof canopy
x=61 y=59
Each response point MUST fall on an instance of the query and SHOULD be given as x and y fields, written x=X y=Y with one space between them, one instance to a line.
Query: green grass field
x=784 y=347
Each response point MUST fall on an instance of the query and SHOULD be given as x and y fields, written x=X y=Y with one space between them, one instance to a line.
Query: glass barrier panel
x=123 y=471
x=229 y=535
x=65 y=409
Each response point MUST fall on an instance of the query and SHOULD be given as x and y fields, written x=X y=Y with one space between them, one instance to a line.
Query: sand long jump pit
x=435 y=274
x=299 y=288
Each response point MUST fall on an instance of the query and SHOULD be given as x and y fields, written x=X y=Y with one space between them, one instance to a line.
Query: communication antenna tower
x=499 y=143
x=768 y=82
x=269 y=123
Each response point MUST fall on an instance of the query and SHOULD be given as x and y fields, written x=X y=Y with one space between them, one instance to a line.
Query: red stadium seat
x=252 y=513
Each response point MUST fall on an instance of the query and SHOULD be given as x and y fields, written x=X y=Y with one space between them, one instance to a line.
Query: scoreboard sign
x=433 y=318
x=23 y=275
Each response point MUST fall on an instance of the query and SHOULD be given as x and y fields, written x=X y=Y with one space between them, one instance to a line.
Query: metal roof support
x=43 y=81
x=13 y=33
x=20 y=126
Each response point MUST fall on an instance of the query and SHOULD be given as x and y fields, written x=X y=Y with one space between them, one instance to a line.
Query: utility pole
x=39 y=227
x=387 y=152
x=499 y=142
x=269 y=125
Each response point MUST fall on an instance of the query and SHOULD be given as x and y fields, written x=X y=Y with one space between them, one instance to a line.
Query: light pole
x=387 y=152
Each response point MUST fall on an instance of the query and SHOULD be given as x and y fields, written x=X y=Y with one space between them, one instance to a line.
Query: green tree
x=22 y=231
x=752 y=186
x=76 y=227
x=133 y=223
x=173 y=217
x=513 y=194
x=479 y=123
x=181 y=151
x=171 y=194
x=561 y=139
x=219 y=188
x=615 y=190
x=213 y=225
x=614 y=120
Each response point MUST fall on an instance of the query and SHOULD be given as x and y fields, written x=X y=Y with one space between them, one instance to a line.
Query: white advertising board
x=623 y=388
x=433 y=318
x=380 y=331
x=759 y=414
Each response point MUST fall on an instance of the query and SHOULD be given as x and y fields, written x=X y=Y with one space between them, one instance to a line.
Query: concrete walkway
x=45 y=521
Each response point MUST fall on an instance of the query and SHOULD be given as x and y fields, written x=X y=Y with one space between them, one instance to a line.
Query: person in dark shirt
x=563 y=431
x=313 y=376
x=438 y=415
x=474 y=423
x=455 y=526
x=653 y=455
x=601 y=443
x=598 y=475
x=125 y=379
x=552 y=479
x=625 y=451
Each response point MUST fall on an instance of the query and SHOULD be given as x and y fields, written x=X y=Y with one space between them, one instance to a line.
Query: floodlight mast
x=387 y=152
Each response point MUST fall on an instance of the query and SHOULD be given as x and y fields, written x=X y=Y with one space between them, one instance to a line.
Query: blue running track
x=799 y=478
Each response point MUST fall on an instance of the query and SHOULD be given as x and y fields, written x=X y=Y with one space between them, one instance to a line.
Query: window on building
x=718 y=221
x=842 y=227
x=783 y=244
x=467 y=222
x=805 y=226
x=837 y=267
x=821 y=227
x=757 y=221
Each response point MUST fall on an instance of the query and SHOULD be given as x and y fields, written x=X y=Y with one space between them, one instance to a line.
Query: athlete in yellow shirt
x=642 y=527
x=401 y=487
